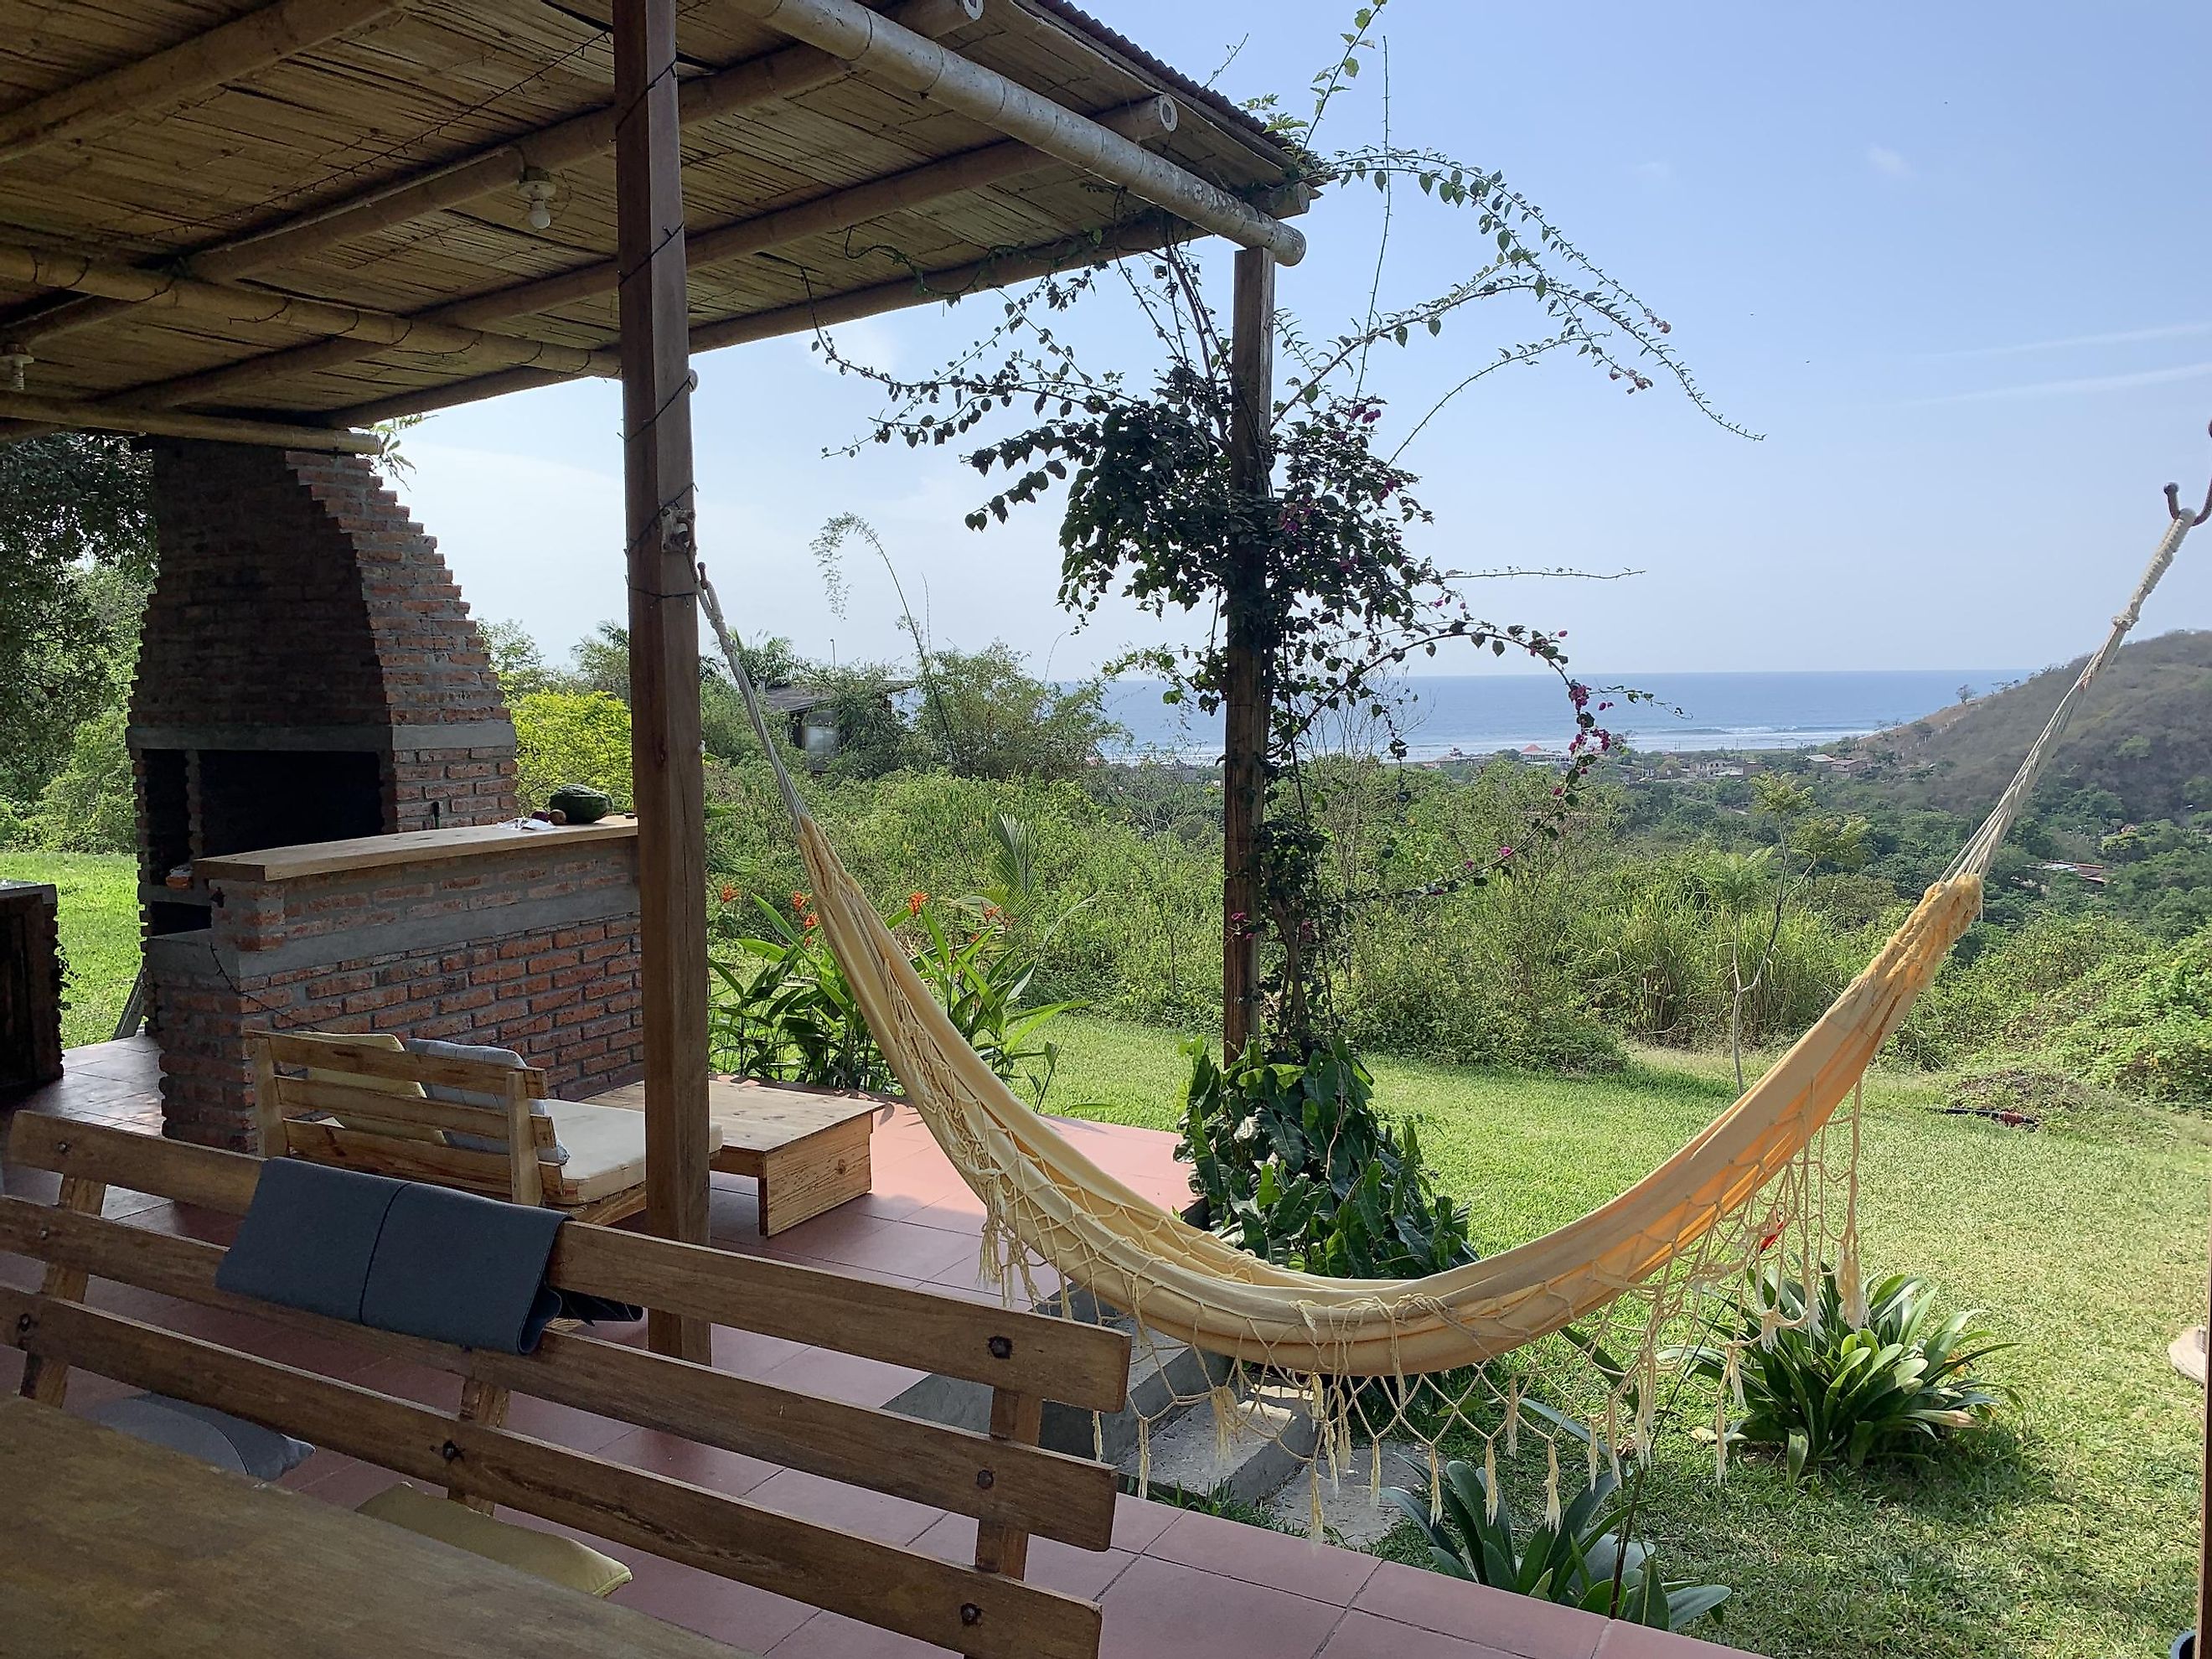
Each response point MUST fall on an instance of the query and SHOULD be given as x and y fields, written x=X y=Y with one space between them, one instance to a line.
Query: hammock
x=1750 y=1176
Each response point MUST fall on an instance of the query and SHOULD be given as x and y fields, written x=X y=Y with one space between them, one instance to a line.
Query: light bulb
x=536 y=186
x=541 y=217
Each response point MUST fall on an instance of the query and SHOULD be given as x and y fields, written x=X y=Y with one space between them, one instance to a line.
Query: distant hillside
x=2144 y=732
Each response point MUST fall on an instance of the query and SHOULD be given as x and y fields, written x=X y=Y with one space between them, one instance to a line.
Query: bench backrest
x=329 y=1101
x=1010 y=1485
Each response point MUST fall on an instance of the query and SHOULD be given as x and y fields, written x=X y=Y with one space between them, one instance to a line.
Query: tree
x=1285 y=520
x=571 y=736
x=76 y=559
x=1003 y=722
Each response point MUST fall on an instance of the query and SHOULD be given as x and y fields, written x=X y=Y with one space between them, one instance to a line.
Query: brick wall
x=299 y=606
x=532 y=944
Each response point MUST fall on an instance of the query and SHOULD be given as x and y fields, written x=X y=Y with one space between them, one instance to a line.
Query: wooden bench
x=1012 y=1488
x=807 y=1148
x=359 y=1102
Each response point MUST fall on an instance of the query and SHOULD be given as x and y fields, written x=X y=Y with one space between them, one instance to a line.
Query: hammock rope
x=1754 y=1184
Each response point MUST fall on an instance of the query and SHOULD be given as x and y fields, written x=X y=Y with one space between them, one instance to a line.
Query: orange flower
x=729 y=894
x=812 y=922
x=914 y=901
x=798 y=903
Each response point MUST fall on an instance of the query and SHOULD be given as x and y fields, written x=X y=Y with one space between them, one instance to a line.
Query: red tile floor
x=1174 y=1581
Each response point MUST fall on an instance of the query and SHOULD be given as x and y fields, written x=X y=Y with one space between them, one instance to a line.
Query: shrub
x=1574 y=1562
x=1828 y=1388
x=88 y=806
x=2154 y=1033
x=1296 y=1167
x=571 y=736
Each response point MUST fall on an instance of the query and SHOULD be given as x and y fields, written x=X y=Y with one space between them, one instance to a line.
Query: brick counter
x=491 y=933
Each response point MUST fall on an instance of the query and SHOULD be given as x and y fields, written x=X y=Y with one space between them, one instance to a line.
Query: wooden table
x=808 y=1148
x=113 y=1549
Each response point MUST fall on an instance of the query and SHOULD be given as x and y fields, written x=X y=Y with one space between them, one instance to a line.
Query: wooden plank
x=167 y=78
x=400 y=1160
x=481 y=1402
x=667 y=778
x=118 y=1548
x=1082 y=1366
x=758 y=1117
x=1085 y=1365
x=299 y=1097
x=1068 y=1498
x=882 y=1585
x=801 y=1180
x=408 y=846
x=331 y=1052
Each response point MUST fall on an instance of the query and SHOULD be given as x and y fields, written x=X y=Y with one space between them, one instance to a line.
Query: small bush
x=1825 y=1387
x=571 y=736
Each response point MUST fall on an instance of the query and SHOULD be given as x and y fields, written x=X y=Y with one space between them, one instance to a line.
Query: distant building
x=811 y=714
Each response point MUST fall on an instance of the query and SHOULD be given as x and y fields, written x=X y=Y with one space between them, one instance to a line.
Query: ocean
x=1478 y=715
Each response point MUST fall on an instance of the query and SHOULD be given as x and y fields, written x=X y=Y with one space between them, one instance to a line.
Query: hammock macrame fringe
x=1417 y=1358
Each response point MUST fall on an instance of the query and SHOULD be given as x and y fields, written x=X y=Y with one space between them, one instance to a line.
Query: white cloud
x=2067 y=388
x=1887 y=162
x=2126 y=337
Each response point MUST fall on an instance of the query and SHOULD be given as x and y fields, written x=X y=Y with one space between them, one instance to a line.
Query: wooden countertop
x=119 y=1550
x=412 y=847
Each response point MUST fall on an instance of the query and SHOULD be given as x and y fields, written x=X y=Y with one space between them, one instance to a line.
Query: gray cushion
x=201 y=1431
x=309 y=1237
x=484 y=1053
x=458 y=1268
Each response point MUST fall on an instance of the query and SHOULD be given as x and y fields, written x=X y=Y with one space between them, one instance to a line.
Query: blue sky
x=1955 y=263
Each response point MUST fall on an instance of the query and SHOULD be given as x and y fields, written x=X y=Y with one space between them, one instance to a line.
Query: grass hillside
x=2144 y=732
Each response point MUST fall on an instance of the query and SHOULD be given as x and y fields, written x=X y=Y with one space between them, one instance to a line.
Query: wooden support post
x=664 y=636
x=1248 y=689
x=44 y=1379
x=1017 y=1418
x=486 y=1403
x=2204 y=1517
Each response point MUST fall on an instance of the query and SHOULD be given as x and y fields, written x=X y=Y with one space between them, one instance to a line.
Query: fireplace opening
x=253 y=798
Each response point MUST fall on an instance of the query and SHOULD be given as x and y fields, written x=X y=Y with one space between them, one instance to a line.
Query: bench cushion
x=489 y=1054
x=213 y=1436
x=607 y=1148
x=544 y=1555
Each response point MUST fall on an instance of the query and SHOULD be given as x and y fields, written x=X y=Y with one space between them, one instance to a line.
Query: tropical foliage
x=1849 y=1374
x=1582 y=1559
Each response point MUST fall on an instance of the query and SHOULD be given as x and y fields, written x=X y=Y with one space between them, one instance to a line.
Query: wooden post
x=664 y=636
x=1249 y=685
x=2204 y=1515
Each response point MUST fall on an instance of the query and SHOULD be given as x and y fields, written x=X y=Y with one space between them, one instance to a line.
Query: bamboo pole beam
x=235 y=49
x=834 y=210
x=885 y=51
x=757 y=81
x=667 y=778
x=63 y=414
x=379 y=330
x=931 y=288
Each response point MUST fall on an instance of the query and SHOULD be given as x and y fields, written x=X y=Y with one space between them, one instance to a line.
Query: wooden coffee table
x=808 y=1148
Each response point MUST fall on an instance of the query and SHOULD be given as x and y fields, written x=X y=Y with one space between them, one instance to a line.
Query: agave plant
x=1828 y=1387
x=1576 y=1562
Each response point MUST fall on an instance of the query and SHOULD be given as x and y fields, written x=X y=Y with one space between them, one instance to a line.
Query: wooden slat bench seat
x=807 y=1148
x=1011 y=1487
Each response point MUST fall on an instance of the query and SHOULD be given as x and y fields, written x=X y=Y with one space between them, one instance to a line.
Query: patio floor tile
x=832 y=1636
x=1052 y=1564
x=751 y=1619
x=687 y=1460
x=1260 y=1557
x=1452 y=1607
x=1161 y=1608
x=1364 y=1636
x=854 y=1510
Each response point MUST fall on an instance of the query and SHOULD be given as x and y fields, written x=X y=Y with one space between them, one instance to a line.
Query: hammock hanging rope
x=1041 y=1196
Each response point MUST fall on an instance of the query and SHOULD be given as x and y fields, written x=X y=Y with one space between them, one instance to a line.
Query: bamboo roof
x=317 y=211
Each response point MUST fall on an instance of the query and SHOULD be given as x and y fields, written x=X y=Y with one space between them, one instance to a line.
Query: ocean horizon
x=1478 y=715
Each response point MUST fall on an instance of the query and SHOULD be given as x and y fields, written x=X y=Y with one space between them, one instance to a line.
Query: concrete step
x=1271 y=1438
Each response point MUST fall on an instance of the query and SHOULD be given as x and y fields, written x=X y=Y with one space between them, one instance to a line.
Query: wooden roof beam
x=226 y=303
x=885 y=51
x=236 y=49
x=932 y=287
x=766 y=79
x=834 y=211
x=62 y=413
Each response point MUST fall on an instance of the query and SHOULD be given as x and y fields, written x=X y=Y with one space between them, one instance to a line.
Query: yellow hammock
x=1041 y=1193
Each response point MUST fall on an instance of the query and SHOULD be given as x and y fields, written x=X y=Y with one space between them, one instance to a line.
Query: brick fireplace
x=310 y=683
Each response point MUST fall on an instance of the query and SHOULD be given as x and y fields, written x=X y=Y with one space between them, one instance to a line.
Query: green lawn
x=2071 y=1532
x=100 y=932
